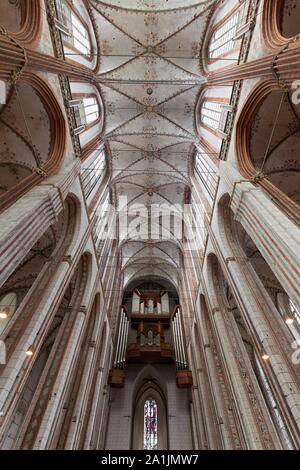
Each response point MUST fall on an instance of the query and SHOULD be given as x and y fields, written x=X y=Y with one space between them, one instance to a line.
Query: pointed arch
x=23 y=20
x=45 y=160
x=148 y=386
x=249 y=166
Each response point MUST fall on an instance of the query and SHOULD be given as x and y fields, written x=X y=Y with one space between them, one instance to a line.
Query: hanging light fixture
x=289 y=320
x=265 y=356
x=3 y=315
x=29 y=351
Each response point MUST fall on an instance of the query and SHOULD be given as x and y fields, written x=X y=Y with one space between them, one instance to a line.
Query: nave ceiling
x=150 y=79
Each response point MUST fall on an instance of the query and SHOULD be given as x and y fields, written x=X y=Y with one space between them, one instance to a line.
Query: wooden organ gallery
x=156 y=336
x=149 y=225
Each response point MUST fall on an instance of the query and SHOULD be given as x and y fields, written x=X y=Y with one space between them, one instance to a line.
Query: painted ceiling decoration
x=150 y=78
x=149 y=5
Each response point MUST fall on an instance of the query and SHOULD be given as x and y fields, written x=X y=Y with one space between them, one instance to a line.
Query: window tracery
x=86 y=111
x=94 y=172
x=223 y=39
x=211 y=114
x=101 y=220
x=73 y=32
x=206 y=172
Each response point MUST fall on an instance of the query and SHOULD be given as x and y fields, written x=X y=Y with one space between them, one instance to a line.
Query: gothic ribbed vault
x=150 y=78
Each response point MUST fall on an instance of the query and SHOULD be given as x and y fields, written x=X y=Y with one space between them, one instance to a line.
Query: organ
x=150 y=332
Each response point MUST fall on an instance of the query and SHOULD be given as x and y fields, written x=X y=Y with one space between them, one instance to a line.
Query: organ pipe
x=178 y=342
x=125 y=342
x=181 y=339
x=122 y=342
x=119 y=339
x=135 y=302
x=165 y=306
x=175 y=335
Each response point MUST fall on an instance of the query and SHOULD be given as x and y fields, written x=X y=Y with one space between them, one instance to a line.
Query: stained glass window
x=150 y=424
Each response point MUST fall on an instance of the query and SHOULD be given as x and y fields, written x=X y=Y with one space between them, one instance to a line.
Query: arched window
x=150 y=424
x=8 y=306
x=93 y=173
x=101 y=224
x=86 y=111
x=223 y=38
x=150 y=428
x=206 y=172
x=199 y=212
x=214 y=114
x=73 y=31
x=211 y=114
